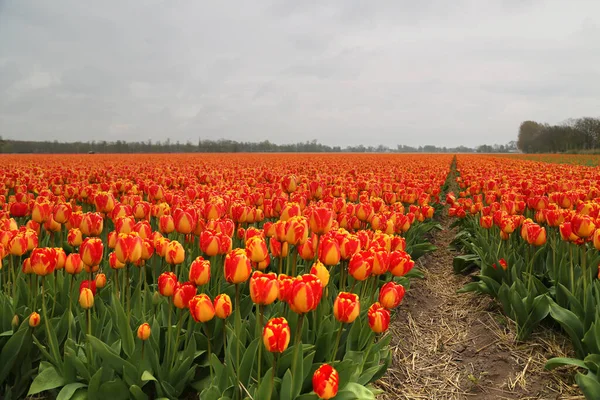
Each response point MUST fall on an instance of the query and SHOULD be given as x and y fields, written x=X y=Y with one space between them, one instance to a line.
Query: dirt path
x=460 y=346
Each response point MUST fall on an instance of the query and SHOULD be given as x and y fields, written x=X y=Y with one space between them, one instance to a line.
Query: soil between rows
x=448 y=345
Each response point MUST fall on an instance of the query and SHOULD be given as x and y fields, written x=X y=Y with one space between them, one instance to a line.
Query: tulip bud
x=256 y=249
x=202 y=308
x=100 y=281
x=167 y=282
x=329 y=251
x=199 y=271
x=346 y=307
x=321 y=271
x=15 y=320
x=34 y=319
x=86 y=298
x=74 y=237
x=183 y=294
x=325 y=382
x=91 y=251
x=223 y=306
x=144 y=331
x=43 y=260
x=276 y=335
x=305 y=294
x=264 y=288
x=237 y=266
x=361 y=265
x=391 y=295
x=379 y=318
x=175 y=253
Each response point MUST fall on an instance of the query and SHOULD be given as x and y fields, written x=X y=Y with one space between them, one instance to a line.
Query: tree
x=528 y=131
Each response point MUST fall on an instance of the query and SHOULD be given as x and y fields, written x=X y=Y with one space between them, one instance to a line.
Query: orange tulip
x=305 y=294
x=264 y=288
x=325 y=382
x=237 y=266
x=346 y=307
x=175 y=254
x=43 y=261
x=276 y=335
x=400 y=263
x=361 y=265
x=34 y=319
x=320 y=271
x=256 y=249
x=329 y=251
x=223 y=306
x=167 y=282
x=379 y=318
x=199 y=271
x=86 y=298
x=391 y=295
x=202 y=308
x=144 y=331
x=91 y=251
x=183 y=294
x=128 y=248
x=92 y=224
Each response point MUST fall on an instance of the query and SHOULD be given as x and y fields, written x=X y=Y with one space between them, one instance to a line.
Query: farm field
x=300 y=276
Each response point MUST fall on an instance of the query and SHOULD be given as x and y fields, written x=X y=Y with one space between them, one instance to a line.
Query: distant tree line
x=573 y=135
x=225 y=146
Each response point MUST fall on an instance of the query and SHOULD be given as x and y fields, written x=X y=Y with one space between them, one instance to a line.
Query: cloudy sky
x=343 y=72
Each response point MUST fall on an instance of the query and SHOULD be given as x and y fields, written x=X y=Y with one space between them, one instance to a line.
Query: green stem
x=585 y=273
x=572 y=268
x=169 y=318
x=54 y=298
x=117 y=289
x=238 y=328
x=207 y=333
x=70 y=304
x=127 y=294
x=177 y=335
x=294 y=259
x=298 y=340
x=259 y=325
x=337 y=342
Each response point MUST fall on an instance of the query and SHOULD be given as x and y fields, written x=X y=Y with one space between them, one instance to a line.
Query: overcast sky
x=342 y=72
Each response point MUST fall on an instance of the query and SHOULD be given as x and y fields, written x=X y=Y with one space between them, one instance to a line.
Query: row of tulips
x=534 y=237
x=268 y=285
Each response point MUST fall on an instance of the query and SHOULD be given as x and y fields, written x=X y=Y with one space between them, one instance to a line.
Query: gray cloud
x=343 y=72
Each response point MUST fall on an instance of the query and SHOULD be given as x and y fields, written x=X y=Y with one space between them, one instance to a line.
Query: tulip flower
x=167 y=282
x=144 y=331
x=202 y=308
x=86 y=298
x=237 y=266
x=321 y=272
x=325 y=382
x=264 y=288
x=175 y=254
x=223 y=306
x=128 y=248
x=256 y=249
x=276 y=335
x=391 y=295
x=43 y=261
x=183 y=294
x=379 y=318
x=199 y=271
x=346 y=307
x=329 y=251
x=361 y=265
x=91 y=251
x=34 y=319
x=305 y=294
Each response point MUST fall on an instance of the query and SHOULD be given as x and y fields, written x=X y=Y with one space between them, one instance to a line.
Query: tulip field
x=255 y=276
x=533 y=230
